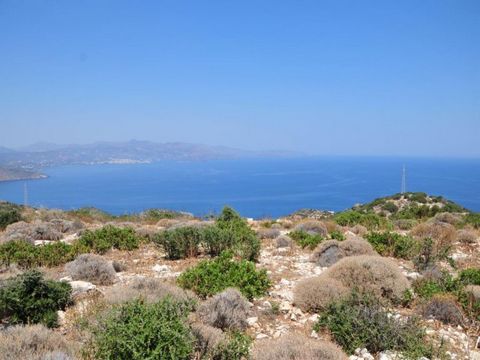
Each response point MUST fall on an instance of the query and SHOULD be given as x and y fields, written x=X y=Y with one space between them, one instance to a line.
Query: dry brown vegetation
x=150 y=289
x=312 y=227
x=92 y=268
x=331 y=251
x=34 y=342
x=297 y=347
x=227 y=311
x=443 y=308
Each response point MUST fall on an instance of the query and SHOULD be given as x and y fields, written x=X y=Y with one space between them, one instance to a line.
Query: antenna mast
x=404 y=181
x=25 y=194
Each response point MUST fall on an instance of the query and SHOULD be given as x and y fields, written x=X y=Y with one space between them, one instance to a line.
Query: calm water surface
x=256 y=188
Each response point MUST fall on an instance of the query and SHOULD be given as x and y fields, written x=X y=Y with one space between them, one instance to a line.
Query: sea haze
x=256 y=188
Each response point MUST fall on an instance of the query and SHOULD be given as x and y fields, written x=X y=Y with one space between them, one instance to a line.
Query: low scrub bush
x=337 y=235
x=235 y=346
x=270 y=233
x=361 y=321
x=33 y=342
x=137 y=331
x=181 y=242
x=393 y=244
x=227 y=310
x=428 y=286
x=331 y=251
x=305 y=239
x=443 y=308
x=208 y=338
x=466 y=236
x=368 y=274
x=469 y=276
x=209 y=277
x=150 y=290
x=442 y=234
x=405 y=224
x=26 y=255
x=108 y=237
x=371 y=221
x=469 y=298
x=92 y=268
x=312 y=227
x=9 y=214
x=296 y=347
x=473 y=219
x=30 y=299
x=283 y=241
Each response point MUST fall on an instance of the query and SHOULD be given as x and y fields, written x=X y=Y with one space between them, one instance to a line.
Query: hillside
x=45 y=154
x=356 y=284
x=7 y=174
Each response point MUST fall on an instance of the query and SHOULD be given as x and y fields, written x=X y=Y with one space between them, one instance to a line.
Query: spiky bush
x=296 y=346
x=92 y=268
x=150 y=290
x=30 y=299
x=283 y=241
x=312 y=227
x=209 y=277
x=331 y=251
x=34 y=342
x=227 y=310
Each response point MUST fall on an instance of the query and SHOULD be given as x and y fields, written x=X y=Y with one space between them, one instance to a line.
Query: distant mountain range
x=26 y=162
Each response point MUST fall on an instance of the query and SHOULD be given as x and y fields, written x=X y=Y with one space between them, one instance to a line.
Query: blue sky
x=322 y=77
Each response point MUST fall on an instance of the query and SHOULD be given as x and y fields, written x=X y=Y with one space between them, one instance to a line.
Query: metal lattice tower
x=404 y=181
x=25 y=194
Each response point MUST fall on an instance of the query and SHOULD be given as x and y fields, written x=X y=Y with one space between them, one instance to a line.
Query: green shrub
x=304 y=239
x=181 y=242
x=390 y=207
x=9 y=214
x=473 y=219
x=109 y=236
x=371 y=221
x=244 y=242
x=392 y=244
x=337 y=235
x=427 y=287
x=235 y=347
x=27 y=255
x=469 y=276
x=361 y=321
x=137 y=331
x=30 y=299
x=209 y=277
x=420 y=197
x=429 y=253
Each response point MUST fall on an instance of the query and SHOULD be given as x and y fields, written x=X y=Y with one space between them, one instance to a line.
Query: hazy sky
x=325 y=77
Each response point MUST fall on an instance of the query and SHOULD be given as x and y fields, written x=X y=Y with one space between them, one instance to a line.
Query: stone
x=252 y=320
x=81 y=287
x=261 y=336
x=161 y=268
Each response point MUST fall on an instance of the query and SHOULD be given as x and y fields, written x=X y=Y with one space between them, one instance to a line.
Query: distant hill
x=7 y=174
x=41 y=155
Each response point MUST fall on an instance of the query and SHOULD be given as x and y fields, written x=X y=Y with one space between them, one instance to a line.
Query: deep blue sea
x=256 y=188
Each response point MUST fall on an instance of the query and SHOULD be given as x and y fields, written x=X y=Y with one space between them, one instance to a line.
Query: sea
x=257 y=188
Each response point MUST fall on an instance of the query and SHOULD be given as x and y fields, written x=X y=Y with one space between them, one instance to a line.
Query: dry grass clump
x=473 y=291
x=297 y=347
x=208 y=337
x=150 y=289
x=67 y=226
x=359 y=230
x=443 y=308
x=314 y=294
x=312 y=227
x=405 y=224
x=331 y=251
x=466 y=236
x=449 y=218
x=268 y=233
x=92 y=268
x=283 y=241
x=442 y=233
x=370 y=274
x=227 y=310
x=37 y=230
x=33 y=342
